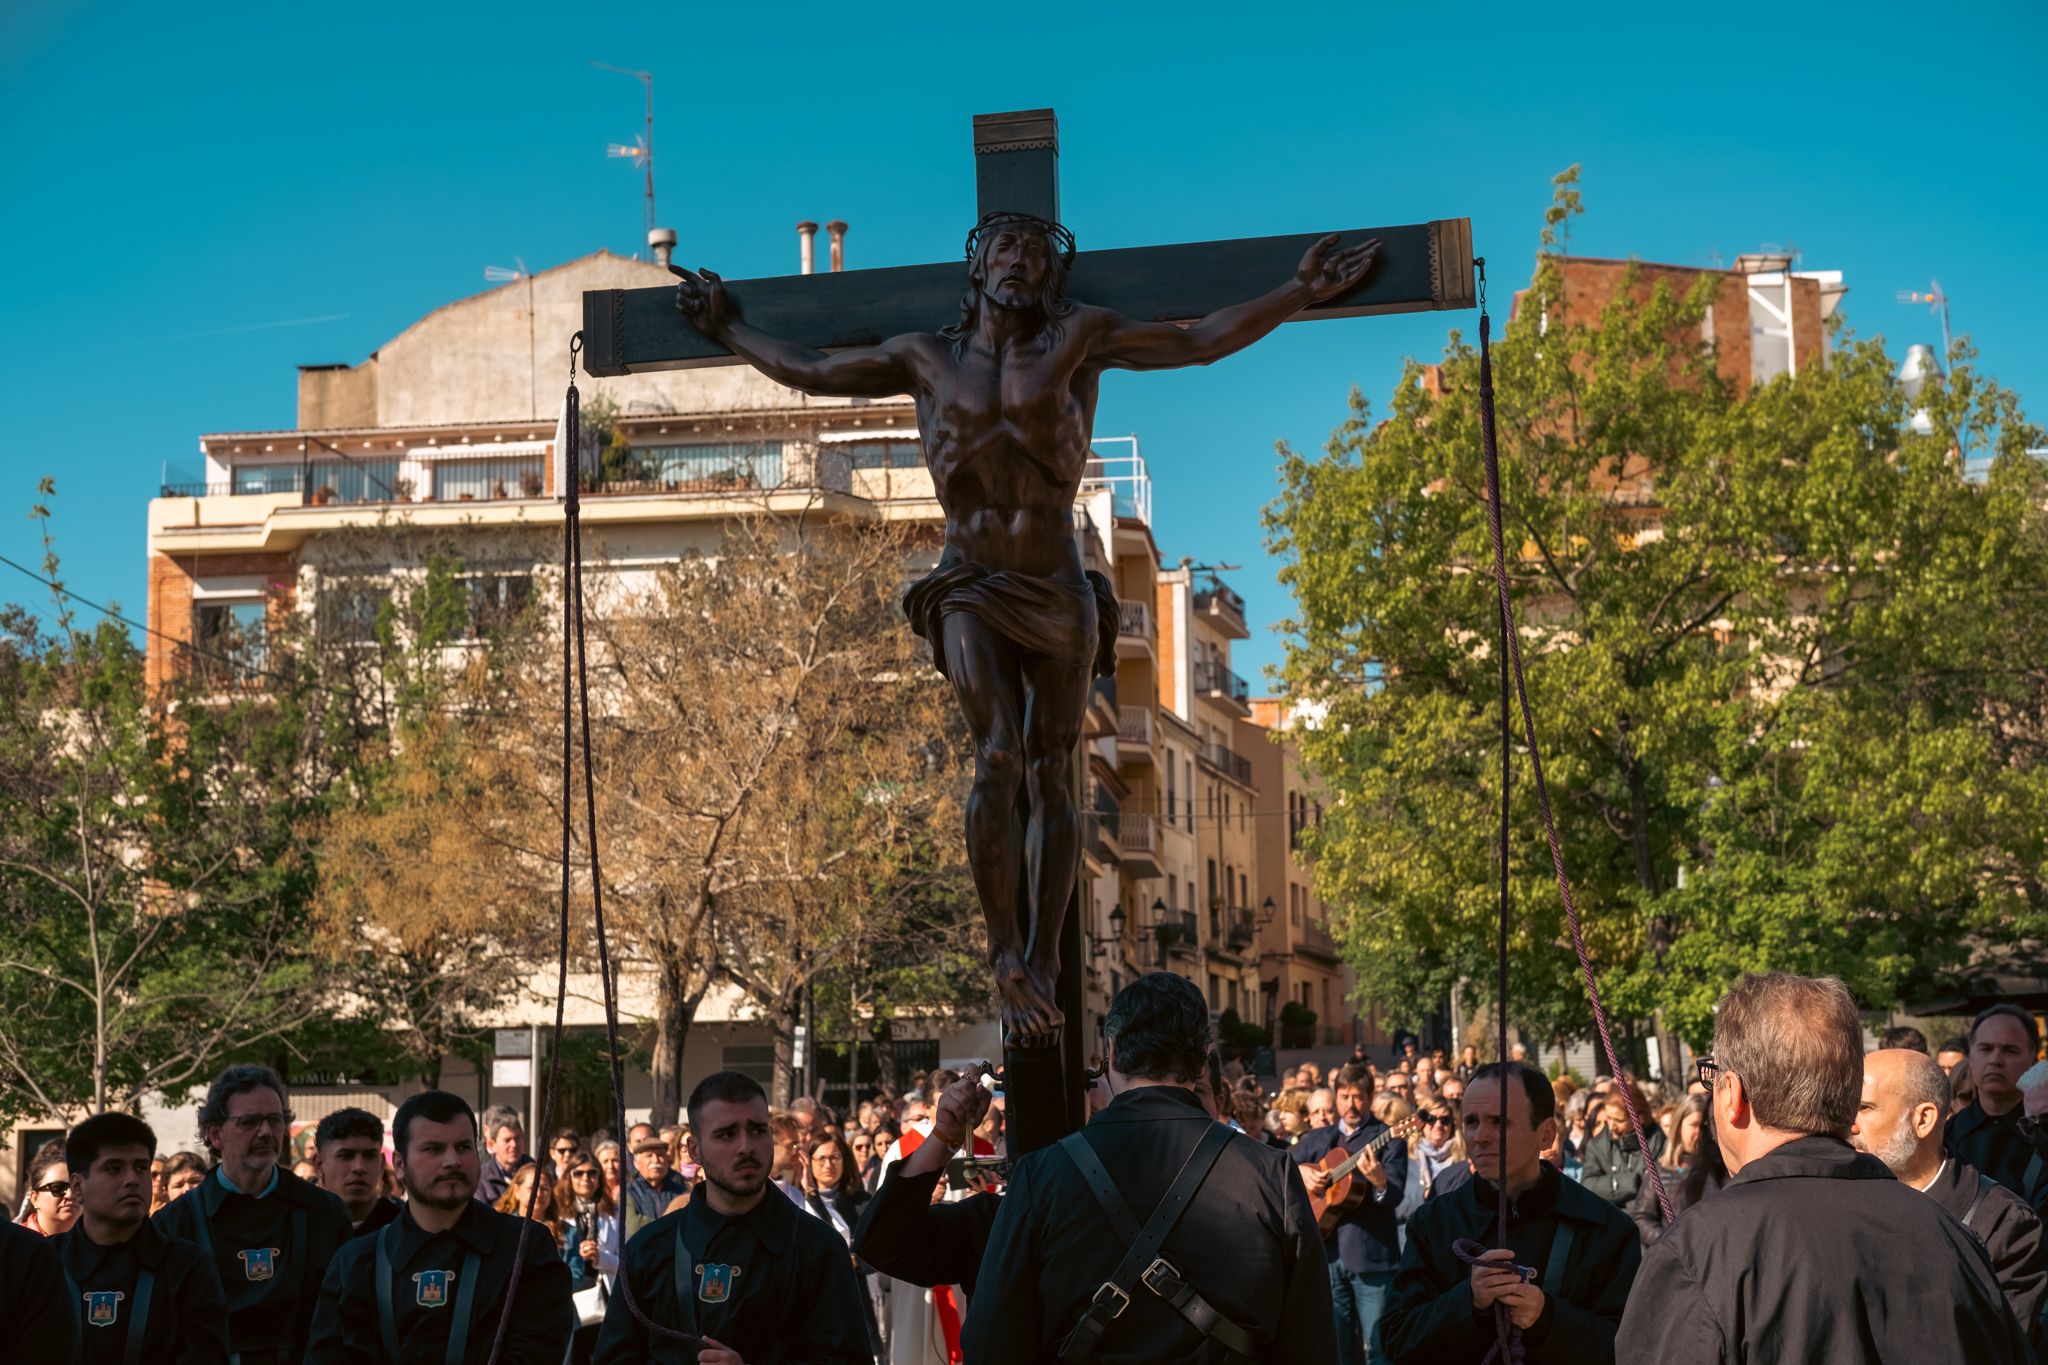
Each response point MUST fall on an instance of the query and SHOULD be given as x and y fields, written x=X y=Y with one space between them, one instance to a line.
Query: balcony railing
x=1231 y=764
x=1134 y=618
x=1316 y=938
x=1134 y=725
x=1215 y=680
x=1242 y=931
x=473 y=474
x=1216 y=601
x=1138 y=835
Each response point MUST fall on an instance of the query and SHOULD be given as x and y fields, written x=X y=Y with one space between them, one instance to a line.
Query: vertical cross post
x=1017 y=169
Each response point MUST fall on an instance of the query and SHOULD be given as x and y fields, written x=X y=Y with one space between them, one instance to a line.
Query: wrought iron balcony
x=1226 y=761
x=1213 y=679
x=1223 y=608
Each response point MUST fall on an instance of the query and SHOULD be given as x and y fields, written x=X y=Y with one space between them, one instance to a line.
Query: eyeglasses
x=58 y=1189
x=585 y=1174
x=824 y=1157
x=565 y=1149
x=249 y=1123
x=1439 y=1120
x=1709 y=1071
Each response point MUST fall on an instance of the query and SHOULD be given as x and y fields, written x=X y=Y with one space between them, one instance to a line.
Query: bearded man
x=1006 y=410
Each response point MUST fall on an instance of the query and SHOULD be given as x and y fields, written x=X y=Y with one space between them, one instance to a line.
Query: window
x=726 y=464
x=480 y=480
x=1188 y=773
x=1172 y=891
x=1233 y=992
x=1215 y=992
x=495 y=601
x=886 y=454
x=1171 y=803
x=348 y=612
x=1244 y=891
x=752 y=1059
x=1212 y=881
x=266 y=478
x=228 y=639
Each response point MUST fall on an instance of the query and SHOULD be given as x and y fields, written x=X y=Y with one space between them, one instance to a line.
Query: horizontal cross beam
x=1421 y=267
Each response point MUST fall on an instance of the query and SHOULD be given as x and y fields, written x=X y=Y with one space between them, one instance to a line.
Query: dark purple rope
x=1507 y=1344
x=1514 y=662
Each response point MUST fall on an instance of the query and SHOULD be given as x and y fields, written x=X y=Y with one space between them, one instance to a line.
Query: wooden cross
x=1421 y=266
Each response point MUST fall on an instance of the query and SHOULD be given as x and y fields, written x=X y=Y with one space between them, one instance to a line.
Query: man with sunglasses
x=268 y=1233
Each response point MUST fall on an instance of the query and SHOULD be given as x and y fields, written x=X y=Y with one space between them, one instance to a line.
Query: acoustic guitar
x=1346 y=1190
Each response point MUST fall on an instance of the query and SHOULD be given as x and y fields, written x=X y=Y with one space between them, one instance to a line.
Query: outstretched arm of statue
x=857 y=372
x=1323 y=274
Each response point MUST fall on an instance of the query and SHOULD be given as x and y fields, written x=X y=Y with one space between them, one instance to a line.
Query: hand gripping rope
x=1514 y=691
x=575 y=703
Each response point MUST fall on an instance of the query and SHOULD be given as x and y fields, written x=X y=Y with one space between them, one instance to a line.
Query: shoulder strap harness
x=465 y=1299
x=1141 y=1263
x=138 y=1312
x=1984 y=1187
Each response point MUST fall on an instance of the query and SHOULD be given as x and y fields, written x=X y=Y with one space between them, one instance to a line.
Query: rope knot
x=1508 y=1343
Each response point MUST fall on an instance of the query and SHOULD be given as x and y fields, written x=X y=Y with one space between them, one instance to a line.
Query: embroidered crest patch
x=714 y=1282
x=430 y=1288
x=103 y=1307
x=258 y=1263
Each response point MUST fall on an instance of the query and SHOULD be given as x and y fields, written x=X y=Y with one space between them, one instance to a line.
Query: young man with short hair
x=742 y=1274
x=1812 y=1251
x=136 y=1295
x=1990 y=1133
x=268 y=1233
x=1583 y=1251
x=348 y=1162
x=431 y=1284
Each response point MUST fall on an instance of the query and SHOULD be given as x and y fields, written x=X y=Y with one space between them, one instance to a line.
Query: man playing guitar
x=1365 y=1246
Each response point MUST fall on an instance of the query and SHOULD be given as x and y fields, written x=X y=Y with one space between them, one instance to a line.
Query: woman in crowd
x=866 y=1164
x=590 y=1224
x=834 y=1194
x=51 y=1205
x=1439 y=1146
x=520 y=1188
x=1613 y=1163
x=183 y=1173
x=610 y=1163
x=1290 y=1112
x=1691 y=1168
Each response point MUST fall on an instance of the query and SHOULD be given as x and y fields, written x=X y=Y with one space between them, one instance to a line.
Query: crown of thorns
x=998 y=217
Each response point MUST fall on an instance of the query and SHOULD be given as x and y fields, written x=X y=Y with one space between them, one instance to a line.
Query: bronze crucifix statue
x=1006 y=409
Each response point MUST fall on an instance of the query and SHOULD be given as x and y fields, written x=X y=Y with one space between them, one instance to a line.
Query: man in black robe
x=268 y=1233
x=348 y=1163
x=430 y=1285
x=136 y=1294
x=741 y=1275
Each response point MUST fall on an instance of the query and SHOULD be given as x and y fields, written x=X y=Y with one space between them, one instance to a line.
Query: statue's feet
x=1030 y=1018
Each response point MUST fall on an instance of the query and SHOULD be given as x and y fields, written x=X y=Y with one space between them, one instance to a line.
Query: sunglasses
x=1439 y=1121
x=584 y=1174
x=61 y=1189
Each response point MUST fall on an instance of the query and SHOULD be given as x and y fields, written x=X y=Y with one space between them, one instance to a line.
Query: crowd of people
x=1794 y=1199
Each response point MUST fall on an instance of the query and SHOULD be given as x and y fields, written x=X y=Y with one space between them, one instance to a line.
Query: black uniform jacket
x=2011 y=1234
x=35 y=1325
x=346 y=1328
x=1368 y=1236
x=904 y=1235
x=382 y=1212
x=774 y=1284
x=1246 y=1243
x=270 y=1299
x=1815 y=1253
x=1997 y=1147
x=1429 y=1318
x=187 y=1322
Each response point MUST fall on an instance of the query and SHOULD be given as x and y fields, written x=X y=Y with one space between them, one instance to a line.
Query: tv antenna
x=1936 y=302
x=641 y=152
x=498 y=274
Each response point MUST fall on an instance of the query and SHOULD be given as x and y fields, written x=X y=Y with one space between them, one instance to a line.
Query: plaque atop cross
x=1004 y=353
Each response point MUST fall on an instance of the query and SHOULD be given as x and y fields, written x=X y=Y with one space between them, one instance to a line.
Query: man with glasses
x=268 y=1233
x=1812 y=1251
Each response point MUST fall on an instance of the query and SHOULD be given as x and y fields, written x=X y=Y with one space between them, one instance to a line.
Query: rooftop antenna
x=641 y=153
x=1936 y=302
x=498 y=274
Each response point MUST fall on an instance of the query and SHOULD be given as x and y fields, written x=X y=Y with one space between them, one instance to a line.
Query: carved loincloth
x=1047 y=616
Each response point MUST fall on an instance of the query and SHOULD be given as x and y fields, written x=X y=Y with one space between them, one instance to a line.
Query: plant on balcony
x=323 y=495
x=530 y=484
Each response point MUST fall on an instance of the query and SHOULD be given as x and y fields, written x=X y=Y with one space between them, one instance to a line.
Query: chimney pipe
x=807 y=246
x=662 y=241
x=838 y=231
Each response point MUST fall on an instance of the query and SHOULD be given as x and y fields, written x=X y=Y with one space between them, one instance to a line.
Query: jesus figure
x=1005 y=409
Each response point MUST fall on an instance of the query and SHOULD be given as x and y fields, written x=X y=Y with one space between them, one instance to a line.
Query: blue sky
x=199 y=204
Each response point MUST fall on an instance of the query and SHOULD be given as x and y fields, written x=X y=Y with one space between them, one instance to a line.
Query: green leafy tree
x=1783 y=658
x=153 y=868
